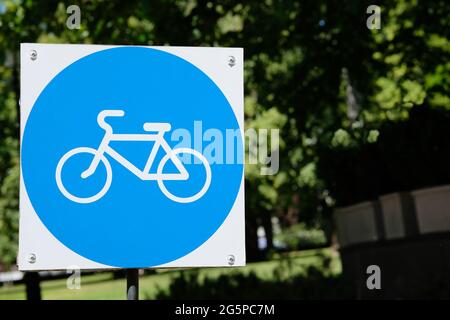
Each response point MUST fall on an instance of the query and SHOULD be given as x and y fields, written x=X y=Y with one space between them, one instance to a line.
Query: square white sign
x=85 y=202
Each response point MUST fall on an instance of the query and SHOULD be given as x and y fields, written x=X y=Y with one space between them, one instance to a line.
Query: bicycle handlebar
x=108 y=113
x=111 y=113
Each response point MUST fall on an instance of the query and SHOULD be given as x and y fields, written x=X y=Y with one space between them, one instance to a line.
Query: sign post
x=132 y=284
x=132 y=157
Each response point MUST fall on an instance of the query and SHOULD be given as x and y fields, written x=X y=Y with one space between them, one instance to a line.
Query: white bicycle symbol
x=156 y=134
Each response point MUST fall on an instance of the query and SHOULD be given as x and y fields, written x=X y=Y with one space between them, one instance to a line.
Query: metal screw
x=31 y=258
x=33 y=55
x=231 y=61
x=231 y=259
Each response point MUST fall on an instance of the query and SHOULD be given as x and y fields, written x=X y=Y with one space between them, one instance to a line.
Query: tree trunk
x=352 y=96
x=16 y=88
x=251 y=240
x=267 y=225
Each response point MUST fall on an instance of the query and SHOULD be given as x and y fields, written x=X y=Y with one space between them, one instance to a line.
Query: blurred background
x=362 y=102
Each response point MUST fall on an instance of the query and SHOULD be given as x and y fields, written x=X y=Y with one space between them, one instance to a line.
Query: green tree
x=312 y=69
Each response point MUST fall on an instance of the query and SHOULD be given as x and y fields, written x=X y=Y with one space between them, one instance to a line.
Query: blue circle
x=134 y=224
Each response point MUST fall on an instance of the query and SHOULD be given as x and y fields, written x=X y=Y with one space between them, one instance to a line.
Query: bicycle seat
x=157 y=126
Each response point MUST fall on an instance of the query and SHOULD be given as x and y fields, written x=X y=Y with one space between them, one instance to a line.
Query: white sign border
x=38 y=248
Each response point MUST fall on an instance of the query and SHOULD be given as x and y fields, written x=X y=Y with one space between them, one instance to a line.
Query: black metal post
x=33 y=286
x=132 y=284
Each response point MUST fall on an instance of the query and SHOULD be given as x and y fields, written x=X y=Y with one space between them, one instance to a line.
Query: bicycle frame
x=144 y=174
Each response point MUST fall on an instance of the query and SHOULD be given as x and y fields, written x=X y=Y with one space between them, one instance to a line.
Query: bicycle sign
x=156 y=132
x=121 y=150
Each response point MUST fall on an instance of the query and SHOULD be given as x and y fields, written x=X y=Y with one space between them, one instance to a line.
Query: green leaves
x=295 y=54
x=9 y=216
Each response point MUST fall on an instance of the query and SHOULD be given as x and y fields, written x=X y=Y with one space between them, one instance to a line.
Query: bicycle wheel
x=63 y=189
x=206 y=184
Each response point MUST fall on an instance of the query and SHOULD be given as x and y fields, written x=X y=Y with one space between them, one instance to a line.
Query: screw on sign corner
x=231 y=61
x=231 y=260
x=31 y=258
x=33 y=55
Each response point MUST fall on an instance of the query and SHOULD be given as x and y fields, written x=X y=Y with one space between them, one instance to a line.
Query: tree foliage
x=312 y=69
